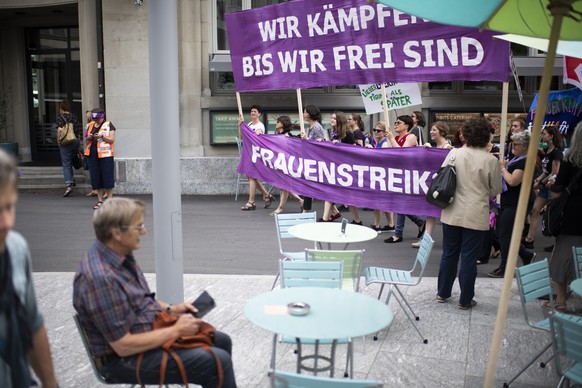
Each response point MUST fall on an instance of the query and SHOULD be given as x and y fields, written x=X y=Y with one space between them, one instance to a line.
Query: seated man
x=23 y=336
x=117 y=309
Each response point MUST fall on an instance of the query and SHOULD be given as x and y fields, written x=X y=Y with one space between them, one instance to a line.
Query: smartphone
x=204 y=303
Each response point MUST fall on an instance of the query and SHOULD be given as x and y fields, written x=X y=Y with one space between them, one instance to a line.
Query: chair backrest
x=281 y=379
x=567 y=336
x=533 y=282
x=287 y=220
x=311 y=274
x=352 y=262
x=577 y=255
x=85 y=340
x=423 y=254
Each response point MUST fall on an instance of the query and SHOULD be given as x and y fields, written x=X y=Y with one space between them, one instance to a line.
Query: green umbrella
x=551 y=19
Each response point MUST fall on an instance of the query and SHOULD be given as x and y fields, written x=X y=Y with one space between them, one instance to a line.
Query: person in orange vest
x=100 y=139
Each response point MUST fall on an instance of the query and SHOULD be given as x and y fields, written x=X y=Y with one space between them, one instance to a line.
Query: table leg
x=273 y=352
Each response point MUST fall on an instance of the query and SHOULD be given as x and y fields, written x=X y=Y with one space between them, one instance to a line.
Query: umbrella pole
x=526 y=185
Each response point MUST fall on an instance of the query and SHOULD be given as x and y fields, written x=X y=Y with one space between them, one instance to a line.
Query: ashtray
x=298 y=308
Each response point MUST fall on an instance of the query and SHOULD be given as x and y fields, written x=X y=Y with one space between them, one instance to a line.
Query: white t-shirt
x=259 y=126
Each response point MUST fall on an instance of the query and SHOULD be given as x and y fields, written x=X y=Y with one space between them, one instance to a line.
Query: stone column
x=88 y=54
x=190 y=34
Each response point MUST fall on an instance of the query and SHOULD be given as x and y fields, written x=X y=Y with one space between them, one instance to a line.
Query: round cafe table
x=330 y=233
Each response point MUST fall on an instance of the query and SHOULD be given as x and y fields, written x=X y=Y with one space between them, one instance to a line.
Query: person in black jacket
x=562 y=263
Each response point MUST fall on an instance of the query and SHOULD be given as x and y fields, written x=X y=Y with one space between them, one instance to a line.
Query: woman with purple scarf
x=512 y=176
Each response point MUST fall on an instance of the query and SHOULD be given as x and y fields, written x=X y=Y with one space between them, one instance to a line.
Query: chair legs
x=529 y=364
x=276 y=278
x=405 y=306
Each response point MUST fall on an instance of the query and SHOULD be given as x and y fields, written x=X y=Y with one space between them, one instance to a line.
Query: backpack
x=554 y=215
x=441 y=191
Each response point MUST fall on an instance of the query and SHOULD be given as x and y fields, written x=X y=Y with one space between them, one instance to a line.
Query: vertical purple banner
x=388 y=179
x=313 y=43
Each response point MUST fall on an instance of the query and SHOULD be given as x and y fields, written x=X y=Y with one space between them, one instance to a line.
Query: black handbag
x=441 y=192
x=554 y=215
x=77 y=161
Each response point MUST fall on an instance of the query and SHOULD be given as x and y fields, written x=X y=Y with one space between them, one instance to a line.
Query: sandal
x=249 y=206
x=91 y=194
x=97 y=205
x=276 y=211
x=496 y=254
x=268 y=201
x=562 y=307
x=421 y=230
x=301 y=202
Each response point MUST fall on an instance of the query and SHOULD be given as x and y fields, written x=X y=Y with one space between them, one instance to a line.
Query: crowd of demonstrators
x=23 y=336
x=512 y=176
x=68 y=150
x=256 y=125
x=100 y=139
x=562 y=262
x=117 y=310
x=340 y=134
x=466 y=220
x=283 y=126
x=402 y=126
x=552 y=157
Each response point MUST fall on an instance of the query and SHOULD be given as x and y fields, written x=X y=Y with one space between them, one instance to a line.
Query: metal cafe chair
x=397 y=278
x=281 y=379
x=567 y=339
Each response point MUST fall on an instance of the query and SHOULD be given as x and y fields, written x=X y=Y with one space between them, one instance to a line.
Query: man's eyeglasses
x=138 y=226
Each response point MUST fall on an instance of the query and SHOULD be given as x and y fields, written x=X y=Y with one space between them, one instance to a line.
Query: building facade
x=95 y=54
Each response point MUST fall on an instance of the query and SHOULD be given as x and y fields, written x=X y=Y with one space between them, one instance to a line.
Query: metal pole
x=557 y=13
x=300 y=109
x=165 y=135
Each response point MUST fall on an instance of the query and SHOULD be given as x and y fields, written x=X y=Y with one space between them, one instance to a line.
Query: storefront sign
x=314 y=43
x=388 y=179
x=398 y=96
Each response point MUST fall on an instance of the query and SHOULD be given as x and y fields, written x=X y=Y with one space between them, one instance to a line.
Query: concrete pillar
x=88 y=54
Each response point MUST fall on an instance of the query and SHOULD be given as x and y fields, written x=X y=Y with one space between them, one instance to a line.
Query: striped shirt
x=112 y=298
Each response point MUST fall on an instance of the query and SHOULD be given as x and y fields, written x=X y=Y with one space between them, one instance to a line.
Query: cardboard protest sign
x=313 y=43
x=398 y=96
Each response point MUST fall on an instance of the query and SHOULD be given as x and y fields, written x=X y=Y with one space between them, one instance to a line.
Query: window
x=220 y=8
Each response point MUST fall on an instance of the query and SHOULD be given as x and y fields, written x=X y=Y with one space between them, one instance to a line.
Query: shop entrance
x=54 y=75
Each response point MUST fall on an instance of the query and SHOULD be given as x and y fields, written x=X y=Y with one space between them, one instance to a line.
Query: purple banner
x=314 y=43
x=389 y=179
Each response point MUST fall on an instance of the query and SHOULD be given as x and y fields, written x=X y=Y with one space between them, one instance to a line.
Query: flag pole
x=240 y=112
x=558 y=13
x=300 y=108
x=385 y=106
x=503 y=126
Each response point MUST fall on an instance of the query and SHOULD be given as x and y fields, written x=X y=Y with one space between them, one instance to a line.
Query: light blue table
x=576 y=286
x=334 y=314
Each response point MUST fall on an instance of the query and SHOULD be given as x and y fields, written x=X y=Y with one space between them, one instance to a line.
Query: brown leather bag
x=203 y=339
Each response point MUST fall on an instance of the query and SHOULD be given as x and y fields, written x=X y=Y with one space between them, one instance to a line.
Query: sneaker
x=468 y=306
x=528 y=244
x=388 y=228
x=356 y=223
x=376 y=228
x=549 y=248
x=496 y=274
x=440 y=299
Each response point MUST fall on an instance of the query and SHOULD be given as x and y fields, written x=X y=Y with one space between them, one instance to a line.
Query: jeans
x=199 y=364
x=466 y=244
x=505 y=230
x=401 y=218
x=67 y=153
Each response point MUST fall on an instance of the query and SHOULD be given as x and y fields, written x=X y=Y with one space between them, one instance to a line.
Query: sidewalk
x=455 y=356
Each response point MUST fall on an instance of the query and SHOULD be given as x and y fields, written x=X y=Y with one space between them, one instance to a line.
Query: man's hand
x=183 y=308
x=187 y=325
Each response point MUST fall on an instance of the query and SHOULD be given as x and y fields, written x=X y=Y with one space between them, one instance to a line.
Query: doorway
x=53 y=75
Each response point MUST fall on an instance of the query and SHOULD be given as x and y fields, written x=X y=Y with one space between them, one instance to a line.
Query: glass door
x=53 y=76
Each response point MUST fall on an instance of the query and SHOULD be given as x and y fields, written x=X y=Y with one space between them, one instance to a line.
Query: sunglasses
x=378 y=130
x=398 y=122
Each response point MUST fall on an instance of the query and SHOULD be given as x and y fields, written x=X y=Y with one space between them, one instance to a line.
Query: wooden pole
x=240 y=112
x=524 y=193
x=385 y=106
x=300 y=108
